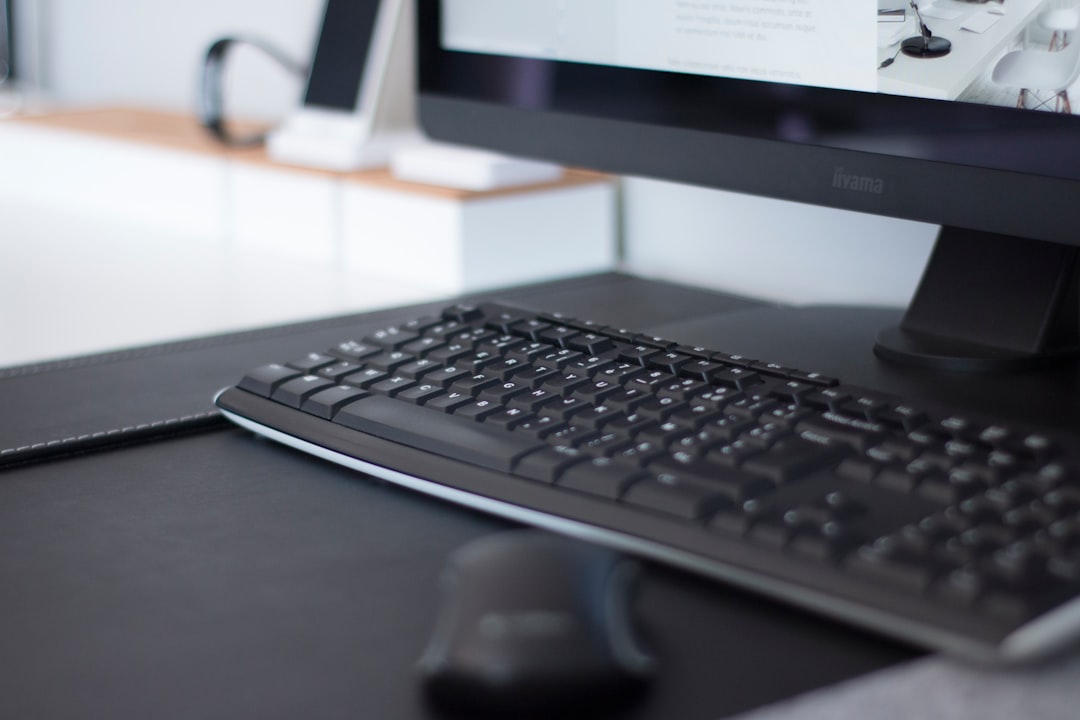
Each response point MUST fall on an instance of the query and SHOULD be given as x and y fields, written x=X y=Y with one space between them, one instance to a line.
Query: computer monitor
x=811 y=101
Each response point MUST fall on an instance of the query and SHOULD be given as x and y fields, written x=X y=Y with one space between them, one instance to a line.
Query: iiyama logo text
x=843 y=180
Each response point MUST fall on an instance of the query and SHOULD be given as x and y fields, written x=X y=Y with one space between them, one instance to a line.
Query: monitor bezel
x=968 y=194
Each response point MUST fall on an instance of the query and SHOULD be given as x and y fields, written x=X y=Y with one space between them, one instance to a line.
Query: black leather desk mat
x=224 y=576
x=220 y=575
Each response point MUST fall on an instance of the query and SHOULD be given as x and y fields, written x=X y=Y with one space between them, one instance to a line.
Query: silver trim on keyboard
x=1052 y=630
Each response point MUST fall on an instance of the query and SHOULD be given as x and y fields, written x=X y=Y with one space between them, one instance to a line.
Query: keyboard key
x=558 y=335
x=736 y=485
x=501 y=318
x=737 y=377
x=654 y=341
x=565 y=383
x=637 y=354
x=392 y=338
x=570 y=435
x=733 y=454
x=829 y=542
x=445 y=376
x=263 y=379
x=701 y=369
x=423 y=346
x=355 y=351
x=448 y=402
x=566 y=407
x=389 y=361
x=671 y=362
x=449 y=353
x=462 y=313
x=794 y=458
x=814 y=378
x=606 y=444
x=591 y=343
x=365 y=378
x=596 y=391
x=446 y=435
x=827 y=399
x=420 y=394
x=529 y=328
x=294 y=392
x=857 y=469
x=731 y=360
x=893 y=565
x=477 y=410
x=392 y=385
x=444 y=329
x=541 y=427
x=658 y=408
x=473 y=384
x=596 y=416
x=507 y=419
x=311 y=362
x=673 y=494
x=503 y=392
x=417 y=369
x=326 y=403
x=601 y=477
x=639 y=454
x=772 y=369
x=548 y=463
x=339 y=370
x=857 y=433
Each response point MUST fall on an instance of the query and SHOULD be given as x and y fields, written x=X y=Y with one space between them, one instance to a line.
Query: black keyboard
x=943 y=529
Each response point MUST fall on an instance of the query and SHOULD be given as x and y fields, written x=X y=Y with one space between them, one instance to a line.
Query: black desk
x=155 y=562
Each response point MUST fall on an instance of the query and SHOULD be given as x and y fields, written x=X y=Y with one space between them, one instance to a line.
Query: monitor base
x=990 y=303
x=898 y=345
x=920 y=47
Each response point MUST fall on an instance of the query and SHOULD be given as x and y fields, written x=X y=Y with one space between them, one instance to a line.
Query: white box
x=457 y=241
x=98 y=164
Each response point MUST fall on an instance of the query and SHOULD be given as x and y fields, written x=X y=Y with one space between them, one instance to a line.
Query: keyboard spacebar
x=433 y=431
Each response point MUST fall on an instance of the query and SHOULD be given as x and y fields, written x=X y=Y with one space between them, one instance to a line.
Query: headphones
x=211 y=98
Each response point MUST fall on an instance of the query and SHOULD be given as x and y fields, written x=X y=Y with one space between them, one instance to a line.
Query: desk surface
x=972 y=54
x=210 y=574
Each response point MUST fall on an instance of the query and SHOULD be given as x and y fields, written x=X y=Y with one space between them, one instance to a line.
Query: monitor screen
x=927 y=112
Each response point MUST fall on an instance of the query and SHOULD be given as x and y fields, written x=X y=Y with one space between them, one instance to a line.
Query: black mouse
x=533 y=624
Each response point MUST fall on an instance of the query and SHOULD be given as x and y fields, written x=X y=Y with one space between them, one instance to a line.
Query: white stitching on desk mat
x=106 y=433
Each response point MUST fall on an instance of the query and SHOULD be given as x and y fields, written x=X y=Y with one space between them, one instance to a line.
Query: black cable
x=211 y=98
x=889 y=61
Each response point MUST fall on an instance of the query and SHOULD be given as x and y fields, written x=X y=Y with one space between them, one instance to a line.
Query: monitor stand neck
x=990 y=303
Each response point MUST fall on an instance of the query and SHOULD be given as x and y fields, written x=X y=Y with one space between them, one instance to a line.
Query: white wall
x=771 y=249
x=147 y=53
